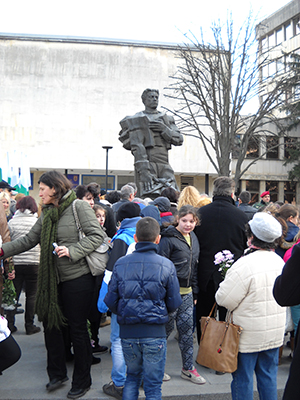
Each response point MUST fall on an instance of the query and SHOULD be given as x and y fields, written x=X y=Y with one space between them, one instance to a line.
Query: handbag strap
x=211 y=311
x=229 y=314
x=78 y=225
x=228 y=320
x=208 y=319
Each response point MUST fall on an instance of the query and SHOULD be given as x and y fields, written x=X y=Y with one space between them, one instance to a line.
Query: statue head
x=150 y=98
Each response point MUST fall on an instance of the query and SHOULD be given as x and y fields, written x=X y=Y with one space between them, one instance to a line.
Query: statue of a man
x=149 y=135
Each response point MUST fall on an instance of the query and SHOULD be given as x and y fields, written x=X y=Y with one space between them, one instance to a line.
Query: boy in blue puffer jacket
x=143 y=289
x=128 y=215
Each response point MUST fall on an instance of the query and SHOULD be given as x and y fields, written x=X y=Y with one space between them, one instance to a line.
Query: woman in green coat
x=65 y=284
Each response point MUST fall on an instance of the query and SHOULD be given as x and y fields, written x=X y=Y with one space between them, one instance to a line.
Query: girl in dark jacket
x=180 y=245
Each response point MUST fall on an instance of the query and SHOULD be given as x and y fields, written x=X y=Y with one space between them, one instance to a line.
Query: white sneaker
x=192 y=376
x=166 y=377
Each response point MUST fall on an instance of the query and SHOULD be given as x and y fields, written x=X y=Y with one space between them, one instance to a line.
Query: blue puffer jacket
x=122 y=239
x=143 y=290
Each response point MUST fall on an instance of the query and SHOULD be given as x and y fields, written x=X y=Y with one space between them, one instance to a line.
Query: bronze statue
x=149 y=135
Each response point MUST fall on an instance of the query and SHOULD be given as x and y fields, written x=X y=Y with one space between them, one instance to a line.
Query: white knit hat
x=265 y=227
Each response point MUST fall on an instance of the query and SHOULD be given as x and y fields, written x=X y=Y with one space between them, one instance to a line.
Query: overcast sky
x=156 y=20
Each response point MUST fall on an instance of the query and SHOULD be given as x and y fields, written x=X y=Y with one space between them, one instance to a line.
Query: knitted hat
x=265 y=227
x=265 y=194
x=163 y=204
x=128 y=210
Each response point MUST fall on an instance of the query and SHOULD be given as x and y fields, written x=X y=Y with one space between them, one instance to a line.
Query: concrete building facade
x=62 y=99
x=278 y=36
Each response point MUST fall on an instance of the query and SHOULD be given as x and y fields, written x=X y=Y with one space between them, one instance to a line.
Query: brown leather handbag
x=219 y=343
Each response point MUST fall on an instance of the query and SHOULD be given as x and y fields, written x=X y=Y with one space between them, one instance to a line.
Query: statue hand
x=146 y=180
x=157 y=126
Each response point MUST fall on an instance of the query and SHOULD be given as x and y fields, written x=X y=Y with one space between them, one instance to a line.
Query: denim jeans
x=264 y=364
x=145 y=359
x=295 y=310
x=118 y=372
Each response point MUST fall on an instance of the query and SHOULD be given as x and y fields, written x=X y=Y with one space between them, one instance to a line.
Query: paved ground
x=26 y=380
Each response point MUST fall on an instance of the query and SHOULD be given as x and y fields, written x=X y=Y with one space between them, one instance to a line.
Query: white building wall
x=62 y=99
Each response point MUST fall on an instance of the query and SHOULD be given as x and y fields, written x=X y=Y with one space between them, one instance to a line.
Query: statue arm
x=168 y=130
x=172 y=134
x=141 y=162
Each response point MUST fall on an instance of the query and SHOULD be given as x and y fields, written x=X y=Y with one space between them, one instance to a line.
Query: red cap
x=265 y=193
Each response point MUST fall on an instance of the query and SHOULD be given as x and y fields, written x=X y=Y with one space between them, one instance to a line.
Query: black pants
x=10 y=353
x=25 y=274
x=94 y=314
x=205 y=302
x=75 y=297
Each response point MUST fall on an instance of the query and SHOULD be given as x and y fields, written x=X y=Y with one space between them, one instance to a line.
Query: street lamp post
x=106 y=170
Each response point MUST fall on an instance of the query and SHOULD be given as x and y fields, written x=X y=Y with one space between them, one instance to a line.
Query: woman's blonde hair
x=189 y=195
x=5 y=195
x=203 y=201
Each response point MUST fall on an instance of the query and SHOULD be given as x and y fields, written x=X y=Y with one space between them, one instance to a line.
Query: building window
x=272 y=187
x=297 y=93
x=253 y=188
x=272 y=41
x=265 y=72
x=280 y=65
x=272 y=148
x=272 y=68
x=289 y=144
x=253 y=148
x=264 y=45
x=186 y=181
x=279 y=36
x=296 y=26
x=290 y=192
x=123 y=180
x=288 y=31
x=100 y=179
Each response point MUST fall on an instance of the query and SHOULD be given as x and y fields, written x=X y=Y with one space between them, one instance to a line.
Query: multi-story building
x=278 y=36
x=62 y=99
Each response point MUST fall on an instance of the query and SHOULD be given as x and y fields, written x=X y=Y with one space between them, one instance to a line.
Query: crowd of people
x=160 y=274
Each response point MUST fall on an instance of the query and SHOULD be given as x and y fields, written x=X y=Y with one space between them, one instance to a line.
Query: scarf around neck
x=47 y=307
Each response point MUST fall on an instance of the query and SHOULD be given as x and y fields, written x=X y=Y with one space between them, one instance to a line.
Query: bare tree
x=213 y=83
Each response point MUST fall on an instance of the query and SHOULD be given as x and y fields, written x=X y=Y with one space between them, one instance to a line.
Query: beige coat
x=4 y=232
x=248 y=291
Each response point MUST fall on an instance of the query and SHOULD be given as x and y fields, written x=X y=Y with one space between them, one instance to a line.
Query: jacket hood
x=151 y=211
x=129 y=223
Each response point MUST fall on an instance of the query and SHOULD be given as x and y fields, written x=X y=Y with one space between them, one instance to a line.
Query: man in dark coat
x=287 y=293
x=244 y=199
x=222 y=227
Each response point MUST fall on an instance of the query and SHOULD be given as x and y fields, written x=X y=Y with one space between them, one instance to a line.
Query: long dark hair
x=58 y=181
x=288 y=210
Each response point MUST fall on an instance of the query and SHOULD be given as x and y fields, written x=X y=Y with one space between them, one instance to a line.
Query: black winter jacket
x=287 y=293
x=185 y=258
x=222 y=227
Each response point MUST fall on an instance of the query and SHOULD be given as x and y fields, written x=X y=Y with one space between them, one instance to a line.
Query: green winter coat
x=67 y=235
